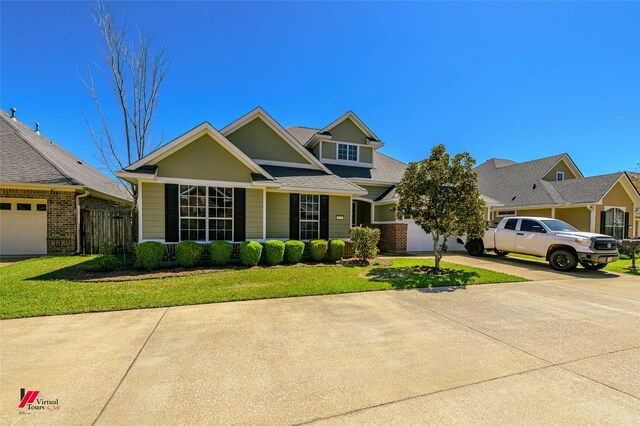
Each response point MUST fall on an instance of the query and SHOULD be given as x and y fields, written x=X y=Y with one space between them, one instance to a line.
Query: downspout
x=78 y=230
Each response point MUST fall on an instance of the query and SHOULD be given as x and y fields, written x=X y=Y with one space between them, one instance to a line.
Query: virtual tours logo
x=33 y=400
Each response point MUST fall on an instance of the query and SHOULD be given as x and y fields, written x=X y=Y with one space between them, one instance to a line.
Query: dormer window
x=559 y=176
x=347 y=152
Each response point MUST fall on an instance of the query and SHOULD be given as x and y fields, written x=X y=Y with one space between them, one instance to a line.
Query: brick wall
x=393 y=237
x=61 y=216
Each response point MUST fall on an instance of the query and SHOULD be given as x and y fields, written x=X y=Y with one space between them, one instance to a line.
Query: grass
x=34 y=287
x=617 y=266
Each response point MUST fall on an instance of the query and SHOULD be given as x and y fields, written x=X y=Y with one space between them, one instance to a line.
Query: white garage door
x=23 y=227
x=418 y=240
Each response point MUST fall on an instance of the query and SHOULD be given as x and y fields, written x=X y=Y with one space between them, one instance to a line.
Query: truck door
x=506 y=237
x=531 y=238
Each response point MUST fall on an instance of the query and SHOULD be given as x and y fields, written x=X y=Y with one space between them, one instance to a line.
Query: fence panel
x=103 y=226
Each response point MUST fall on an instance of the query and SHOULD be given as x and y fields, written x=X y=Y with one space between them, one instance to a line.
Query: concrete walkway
x=526 y=268
x=556 y=351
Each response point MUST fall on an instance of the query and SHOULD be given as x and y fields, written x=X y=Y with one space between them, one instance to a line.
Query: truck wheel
x=475 y=247
x=593 y=266
x=500 y=252
x=563 y=260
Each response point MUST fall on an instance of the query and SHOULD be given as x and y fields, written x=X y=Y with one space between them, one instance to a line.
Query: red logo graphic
x=27 y=398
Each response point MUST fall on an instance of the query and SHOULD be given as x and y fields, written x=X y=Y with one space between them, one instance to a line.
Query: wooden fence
x=104 y=226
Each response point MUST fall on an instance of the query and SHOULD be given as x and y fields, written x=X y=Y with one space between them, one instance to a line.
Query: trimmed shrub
x=220 y=252
x=150 y=254
x=105 y=263
x=293 y=250
x=274 y=252
x=318 y=250
x=336 y=250
x=107 y=248
x=364 y=242
x=250 y=252
x=189 y=253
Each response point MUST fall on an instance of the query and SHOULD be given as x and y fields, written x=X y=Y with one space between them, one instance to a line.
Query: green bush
x=105 y=263
x=336 y=250
x=293 y=250
x=107 y=248
x=318 y=250
x=364 y=242
x=274 y=252
x=189 y=253
x=250 y=252
x=150 y=254
x=220 y=252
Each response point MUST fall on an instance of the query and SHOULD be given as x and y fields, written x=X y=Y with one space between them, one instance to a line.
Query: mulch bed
x=120 y=275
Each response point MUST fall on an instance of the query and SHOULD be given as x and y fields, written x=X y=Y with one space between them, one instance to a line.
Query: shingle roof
x=520 y=184
x=387 y=169
x=307 y=178
x=26 y=157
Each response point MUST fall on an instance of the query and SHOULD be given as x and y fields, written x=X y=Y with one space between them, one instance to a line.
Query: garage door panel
x=23 y=232
x=418 y=240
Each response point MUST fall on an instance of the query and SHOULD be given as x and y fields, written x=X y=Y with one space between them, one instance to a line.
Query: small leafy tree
x=441 y=195
x=364 y=241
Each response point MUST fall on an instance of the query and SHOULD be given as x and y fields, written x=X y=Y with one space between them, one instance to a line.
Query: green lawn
x=617 y=267
x=34 y=288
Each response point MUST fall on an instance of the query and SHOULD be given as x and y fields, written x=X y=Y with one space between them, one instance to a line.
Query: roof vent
x=13 y=113
x=37 y=128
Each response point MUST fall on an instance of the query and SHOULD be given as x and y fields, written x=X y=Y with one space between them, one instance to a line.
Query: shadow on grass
x=410 y=277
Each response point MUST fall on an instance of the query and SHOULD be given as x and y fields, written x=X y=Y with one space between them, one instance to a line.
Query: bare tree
x=135 y=72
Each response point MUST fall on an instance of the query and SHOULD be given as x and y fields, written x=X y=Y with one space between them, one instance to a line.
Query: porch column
x=592 y=223
x=264 y=214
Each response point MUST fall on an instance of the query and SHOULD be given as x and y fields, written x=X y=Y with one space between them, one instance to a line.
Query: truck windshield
x=558 y=225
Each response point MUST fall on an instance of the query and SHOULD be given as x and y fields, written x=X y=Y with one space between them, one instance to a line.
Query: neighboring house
x=42 y=191
x=255 y=180
x=635 y=178
x=554 y=187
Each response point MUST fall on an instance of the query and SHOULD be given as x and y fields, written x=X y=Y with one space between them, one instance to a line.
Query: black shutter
x=171 y=213
x=626 y=225
x=324 y=217
x=239 y=214
x=294 y=216
x=602 y=215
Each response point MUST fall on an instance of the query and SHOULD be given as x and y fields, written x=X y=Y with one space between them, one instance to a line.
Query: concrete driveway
x=561 y=352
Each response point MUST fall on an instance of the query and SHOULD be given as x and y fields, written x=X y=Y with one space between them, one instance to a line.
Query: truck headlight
x=583 y=241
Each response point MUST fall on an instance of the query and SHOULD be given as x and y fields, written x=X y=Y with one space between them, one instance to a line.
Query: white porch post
x=553 y=212
x=139 y=202
x=592 y=224
x=264 y=214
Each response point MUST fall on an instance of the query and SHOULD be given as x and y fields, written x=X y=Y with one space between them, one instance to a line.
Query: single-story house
x=555 y=187
x=43 y=188
x=255 y=180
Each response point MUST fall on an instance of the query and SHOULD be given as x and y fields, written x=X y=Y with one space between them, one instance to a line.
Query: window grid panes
x=347 y=152
x=614 y=223
x=309 y=216
x=206 y=213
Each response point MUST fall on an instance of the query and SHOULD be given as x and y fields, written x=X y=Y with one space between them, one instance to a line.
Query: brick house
x=43 y=189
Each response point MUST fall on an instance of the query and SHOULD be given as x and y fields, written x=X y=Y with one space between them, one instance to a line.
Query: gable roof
x=29 y=158
x=350 y=115
x=185 y=139
x=386 y=169
x=520 y=184
x=260 y=113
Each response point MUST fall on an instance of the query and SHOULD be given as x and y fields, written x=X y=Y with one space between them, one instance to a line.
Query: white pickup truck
x=559 y=243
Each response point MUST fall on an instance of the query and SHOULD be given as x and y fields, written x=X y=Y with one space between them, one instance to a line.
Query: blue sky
x=509 y=80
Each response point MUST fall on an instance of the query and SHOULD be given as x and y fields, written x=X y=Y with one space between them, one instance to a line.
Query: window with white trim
x=206 y=213
x=614 y=222
x=309 y=216
x=347 y=152
x=559 y=176
x=506 y=213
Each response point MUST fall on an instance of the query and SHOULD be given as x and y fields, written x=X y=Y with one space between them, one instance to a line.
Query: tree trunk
x=437 y=250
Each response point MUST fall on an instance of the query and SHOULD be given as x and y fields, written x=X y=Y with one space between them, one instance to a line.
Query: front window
x=347 y=152
x=206 y=213
x=309 y=216
x=558 y=225
x=614 y=223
